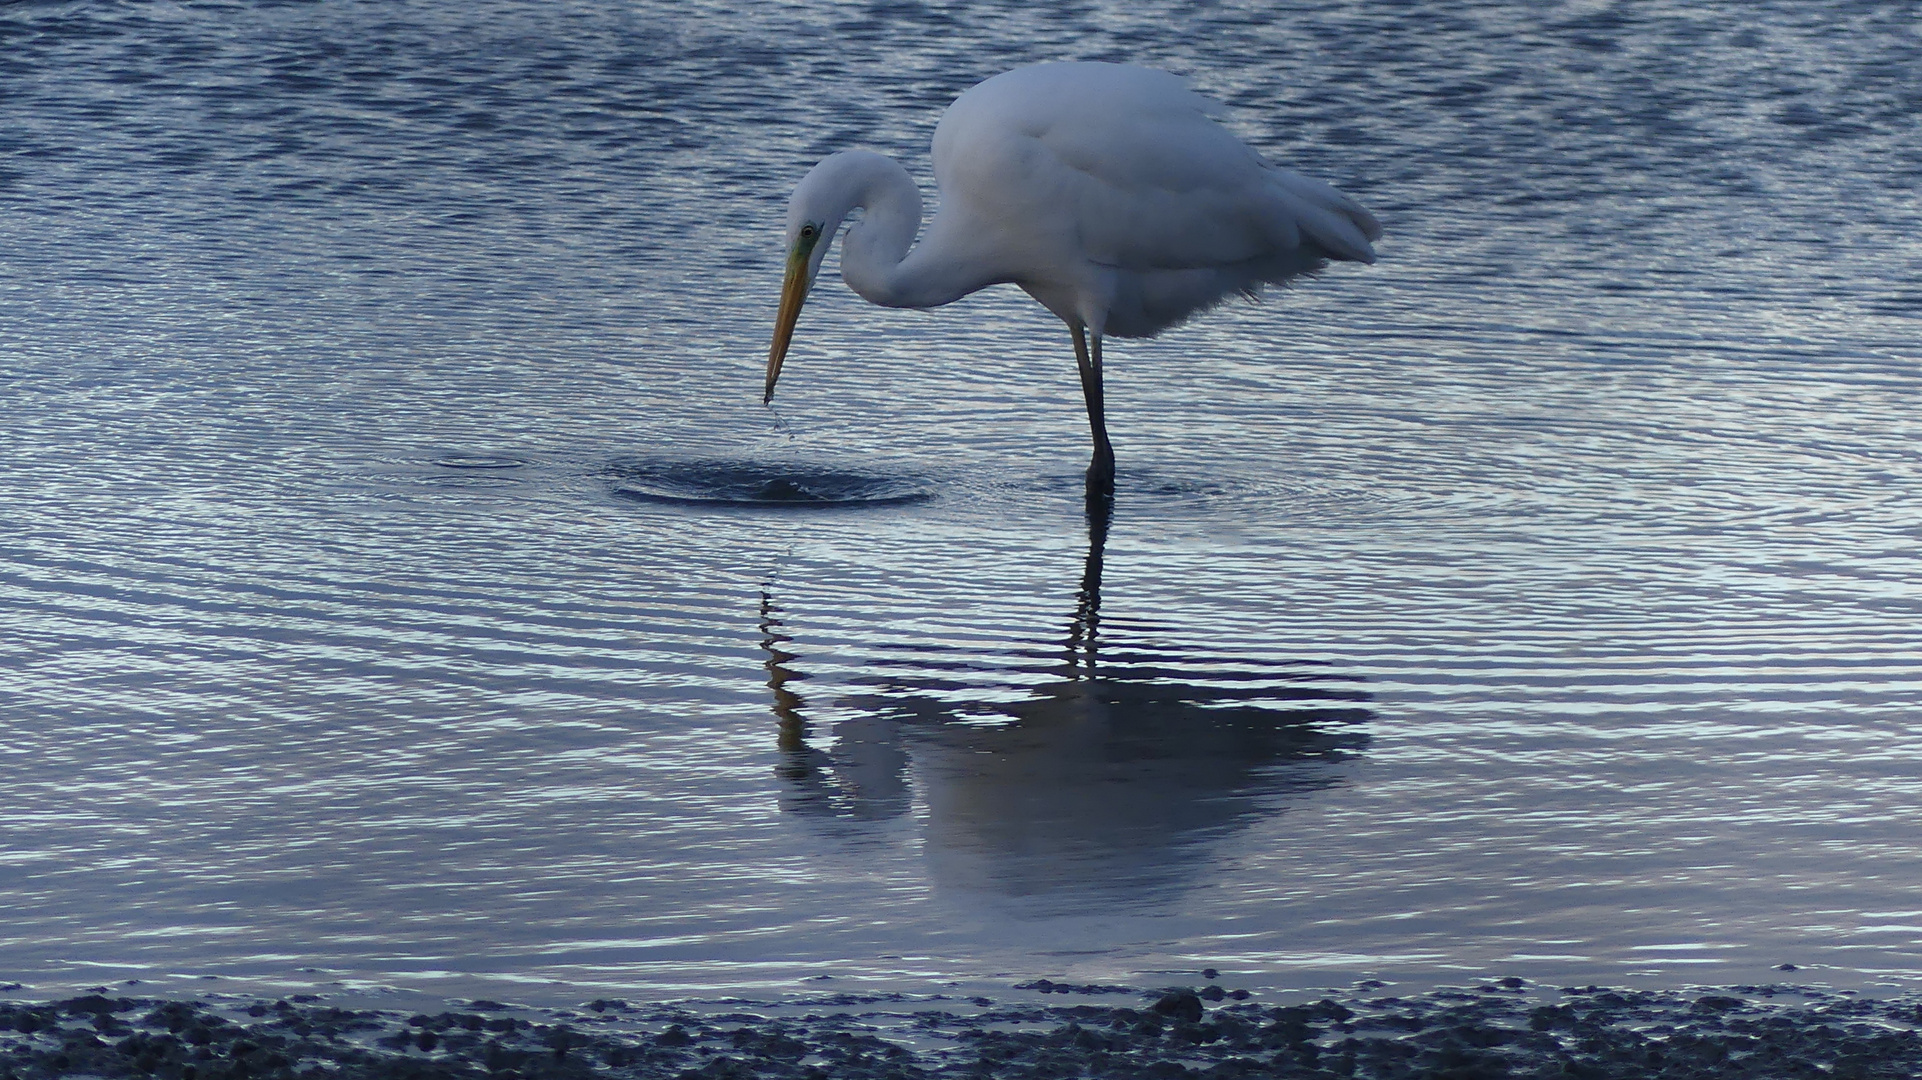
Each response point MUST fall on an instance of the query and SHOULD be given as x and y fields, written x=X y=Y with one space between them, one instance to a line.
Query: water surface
x=404 y=587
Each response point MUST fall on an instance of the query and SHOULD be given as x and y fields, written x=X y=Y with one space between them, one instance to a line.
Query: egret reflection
x=1104 y=760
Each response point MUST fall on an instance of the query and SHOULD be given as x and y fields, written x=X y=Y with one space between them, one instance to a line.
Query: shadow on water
x=1100 y=763
x=757 y=484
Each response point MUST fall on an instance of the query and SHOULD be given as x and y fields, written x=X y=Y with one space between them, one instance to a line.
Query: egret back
x=1109 y=191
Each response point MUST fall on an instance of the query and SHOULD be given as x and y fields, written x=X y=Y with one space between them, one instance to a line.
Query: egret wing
x=1127 y=168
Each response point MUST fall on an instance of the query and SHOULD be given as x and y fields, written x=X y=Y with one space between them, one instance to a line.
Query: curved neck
x=875 y=260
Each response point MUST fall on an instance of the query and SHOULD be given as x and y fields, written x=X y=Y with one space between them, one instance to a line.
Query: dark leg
x=1101 y=468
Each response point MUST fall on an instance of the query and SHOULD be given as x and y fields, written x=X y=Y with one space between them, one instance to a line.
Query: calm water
x=404 y=586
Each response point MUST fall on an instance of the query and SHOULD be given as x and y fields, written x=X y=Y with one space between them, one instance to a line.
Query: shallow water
x=404 y=586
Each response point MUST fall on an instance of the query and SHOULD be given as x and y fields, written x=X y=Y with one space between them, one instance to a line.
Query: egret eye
x=809 y=232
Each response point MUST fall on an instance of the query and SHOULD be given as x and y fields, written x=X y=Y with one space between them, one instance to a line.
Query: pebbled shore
x=1505 y=1029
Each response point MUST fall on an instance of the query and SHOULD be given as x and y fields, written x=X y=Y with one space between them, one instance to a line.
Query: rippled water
x=404 y=586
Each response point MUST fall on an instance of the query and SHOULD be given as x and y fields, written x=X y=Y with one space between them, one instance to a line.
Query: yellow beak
x=794 y=293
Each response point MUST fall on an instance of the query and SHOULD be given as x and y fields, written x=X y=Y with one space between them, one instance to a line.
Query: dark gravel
x=1505 y=1029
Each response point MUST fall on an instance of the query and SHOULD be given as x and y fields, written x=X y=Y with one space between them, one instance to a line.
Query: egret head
x=823 y=199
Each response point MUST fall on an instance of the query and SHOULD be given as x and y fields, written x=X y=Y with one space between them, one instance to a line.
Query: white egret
x=1105 y=191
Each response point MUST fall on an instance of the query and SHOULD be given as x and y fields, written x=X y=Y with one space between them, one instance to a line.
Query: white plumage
x=1105 y=191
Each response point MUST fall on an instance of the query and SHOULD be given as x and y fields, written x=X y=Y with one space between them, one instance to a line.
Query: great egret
x=1105 y=191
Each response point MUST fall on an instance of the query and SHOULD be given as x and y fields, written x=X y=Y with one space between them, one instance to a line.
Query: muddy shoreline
x=1503 y=1029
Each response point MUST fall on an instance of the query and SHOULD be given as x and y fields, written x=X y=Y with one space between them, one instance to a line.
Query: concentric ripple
x=757 y=484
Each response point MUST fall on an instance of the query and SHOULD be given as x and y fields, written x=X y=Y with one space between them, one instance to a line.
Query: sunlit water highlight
x=404 y=586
